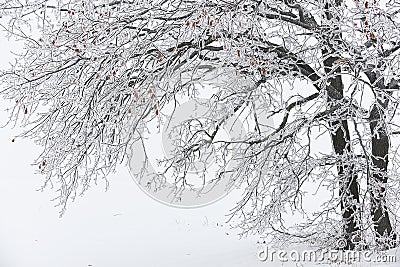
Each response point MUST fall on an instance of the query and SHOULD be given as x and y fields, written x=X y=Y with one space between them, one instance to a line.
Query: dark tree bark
x=348 y=184
x=385 y=236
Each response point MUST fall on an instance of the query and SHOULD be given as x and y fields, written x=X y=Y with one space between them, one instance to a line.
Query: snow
x=120 y=227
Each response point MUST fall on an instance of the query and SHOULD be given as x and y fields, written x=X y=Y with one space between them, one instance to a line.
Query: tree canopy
x=94 y=74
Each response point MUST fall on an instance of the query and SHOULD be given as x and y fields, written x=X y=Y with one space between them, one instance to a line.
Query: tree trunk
x=385 y=236
x=348 y=185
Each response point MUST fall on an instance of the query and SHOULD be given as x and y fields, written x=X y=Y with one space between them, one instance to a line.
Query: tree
x=324 y=70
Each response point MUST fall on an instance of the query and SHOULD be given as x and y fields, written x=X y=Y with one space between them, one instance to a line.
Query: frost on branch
x=94 y=74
